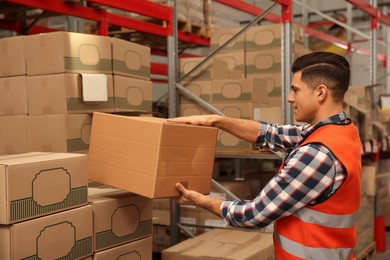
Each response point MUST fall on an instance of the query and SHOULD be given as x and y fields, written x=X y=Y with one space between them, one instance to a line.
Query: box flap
x=94 y=87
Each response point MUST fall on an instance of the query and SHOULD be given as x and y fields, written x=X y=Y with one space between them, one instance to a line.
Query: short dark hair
x=327 y=68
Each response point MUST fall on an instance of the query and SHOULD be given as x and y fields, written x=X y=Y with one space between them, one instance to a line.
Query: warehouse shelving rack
x=168 y=30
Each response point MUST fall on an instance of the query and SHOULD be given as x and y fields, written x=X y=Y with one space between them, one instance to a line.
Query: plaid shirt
x=309 y=175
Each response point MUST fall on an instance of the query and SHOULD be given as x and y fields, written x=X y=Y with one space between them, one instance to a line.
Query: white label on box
x=94 y=87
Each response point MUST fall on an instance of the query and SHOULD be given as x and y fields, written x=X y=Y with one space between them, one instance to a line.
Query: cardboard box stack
x=43 y=195
x=224 y=244
x=365 y=216
x=122 y=224
x=52 y=83
x=244 y=80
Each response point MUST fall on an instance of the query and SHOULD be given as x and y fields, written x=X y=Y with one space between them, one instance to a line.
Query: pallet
x=368 y=252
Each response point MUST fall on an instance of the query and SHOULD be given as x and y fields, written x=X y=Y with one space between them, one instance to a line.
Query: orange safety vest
x=326 y=230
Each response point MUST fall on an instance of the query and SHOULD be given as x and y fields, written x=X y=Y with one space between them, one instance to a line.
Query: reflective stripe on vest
x=327 y=220
x=304 y=252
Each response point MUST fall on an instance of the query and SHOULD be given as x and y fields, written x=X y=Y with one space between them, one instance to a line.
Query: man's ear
x=322 y=91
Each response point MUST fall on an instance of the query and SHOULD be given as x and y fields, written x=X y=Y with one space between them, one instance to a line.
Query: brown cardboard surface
x=192 y=108
x=263 y=61
x=140 y=249
x=65 y=234
x=13 y=100
x=119 y=217
x=130 y=59
x=46 y=133
x=132 y=94
x=37 y=184
x=147 y=155
x=219 y=37
x=254 y=90
x=13 y=134
x=12 y=56
x=212 y=69
x=200 y=88
x=269 y=36
x=78 y=132
x=269 y=114
x=74 y=96
x=223 y=244
x=236 y=64
x=46 y=94
x=60 y=52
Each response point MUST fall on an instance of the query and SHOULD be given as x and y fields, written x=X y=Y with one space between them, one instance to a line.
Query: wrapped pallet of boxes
x=148 y=156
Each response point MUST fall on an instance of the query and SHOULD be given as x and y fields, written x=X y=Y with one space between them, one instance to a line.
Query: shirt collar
x=340 y=118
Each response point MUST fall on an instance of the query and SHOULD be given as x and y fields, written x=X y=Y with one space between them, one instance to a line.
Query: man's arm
x=247 y=130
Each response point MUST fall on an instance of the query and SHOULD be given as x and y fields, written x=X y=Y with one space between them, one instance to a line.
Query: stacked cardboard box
x=122 y=224
x=43 y=195
x=366 y=213
x=56 y=80
x=224 y=244
x=250 y=88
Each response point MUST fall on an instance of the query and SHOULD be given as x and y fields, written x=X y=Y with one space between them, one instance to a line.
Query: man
x=314 y=197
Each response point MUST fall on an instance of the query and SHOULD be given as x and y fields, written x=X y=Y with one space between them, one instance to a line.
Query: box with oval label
x=132 y=94
x=64 y=235
x=37 y=184
x=60 y=52
x=140 y=249
x=253 y=90
x=269 y=36
x=78 y=132
x=119 y=217
x=130 y=59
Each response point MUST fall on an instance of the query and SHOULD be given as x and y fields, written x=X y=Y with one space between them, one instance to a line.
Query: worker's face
x=302 y=99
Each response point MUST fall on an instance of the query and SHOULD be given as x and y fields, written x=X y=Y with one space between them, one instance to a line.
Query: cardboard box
x=46 y=133
x=75 y=85
x=78 y=132
x=140 y=249
x=263 y=61
x=200 y=88
x=13 y=134
x=269 y=36
x=130 y=59
x=252 y=90
x=219 y=37
x=132 y=94
x=224 y=244
x=192 y=109
x=13 y=99
x=268 y=60
x=38 y=184
x=119 y=217
x=236 y=64
x=212 y=69
x=148 y=156
x=65 y=235
x=12 y=56
x=272 y=115
x=60 y=52
x=46 y=94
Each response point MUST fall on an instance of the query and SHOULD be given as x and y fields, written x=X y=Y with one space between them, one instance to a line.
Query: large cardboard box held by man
x=147 y=155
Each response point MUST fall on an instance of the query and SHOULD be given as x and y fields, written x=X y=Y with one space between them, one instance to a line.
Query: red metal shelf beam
x=249 y=8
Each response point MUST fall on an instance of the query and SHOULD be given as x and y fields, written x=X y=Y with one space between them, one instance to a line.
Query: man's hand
x=204 y=120
x=187 y=197
x=190 y=197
